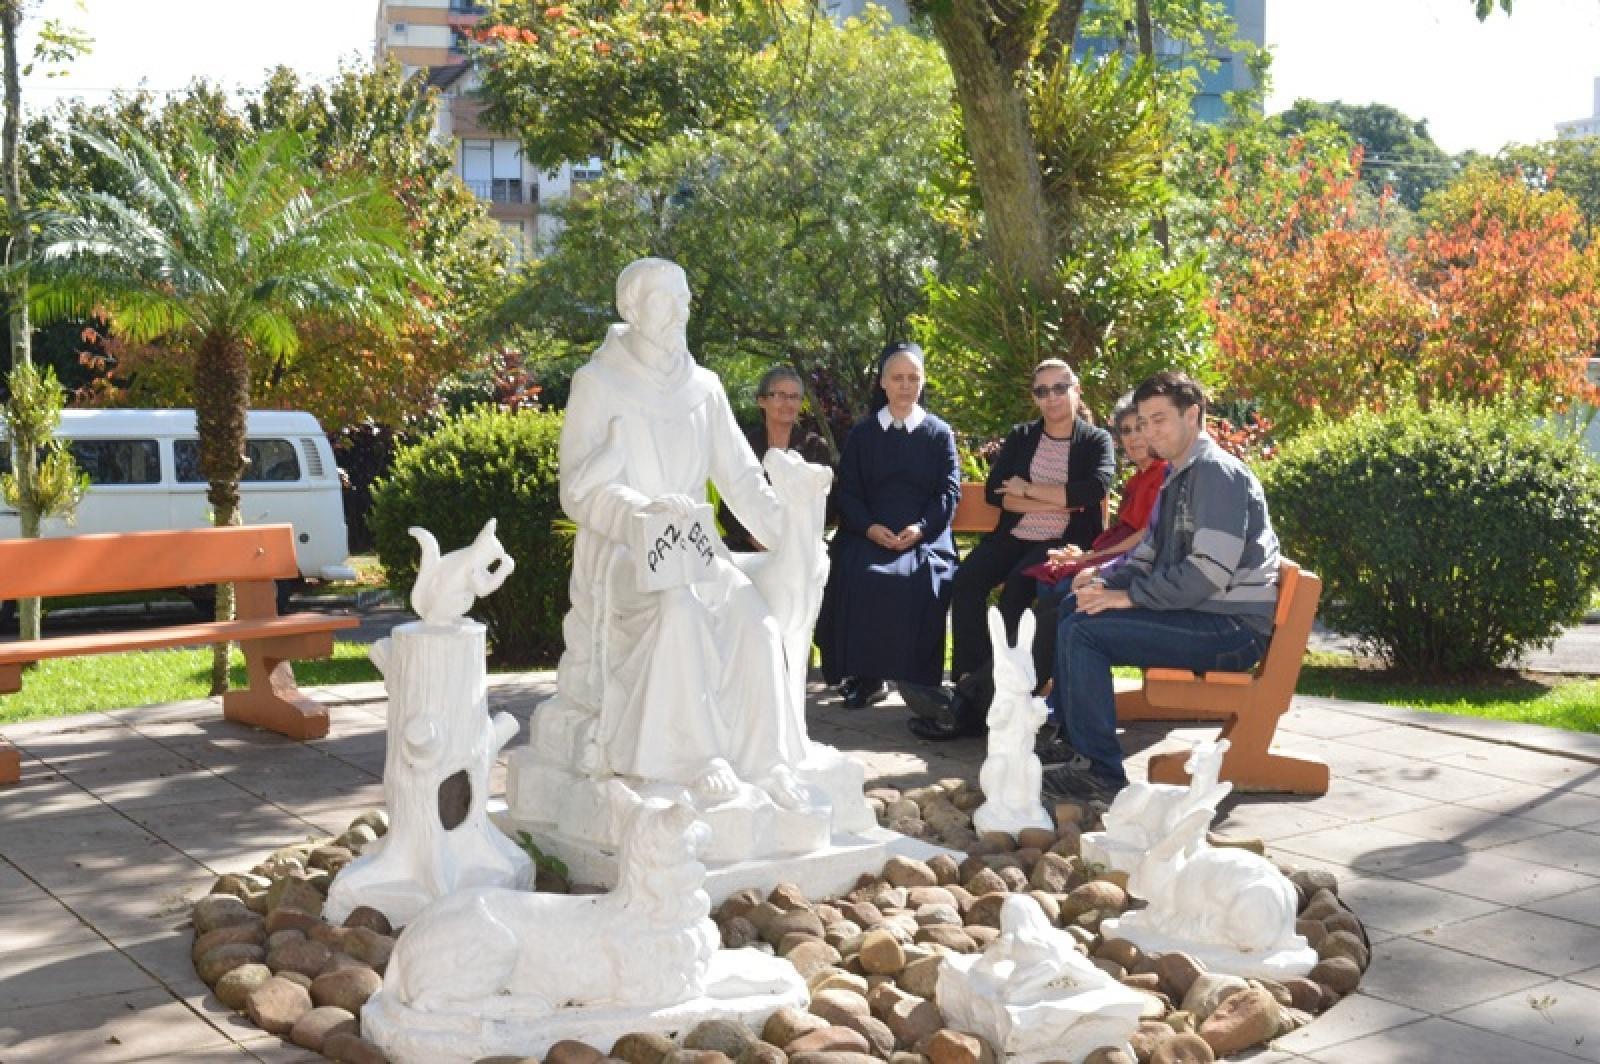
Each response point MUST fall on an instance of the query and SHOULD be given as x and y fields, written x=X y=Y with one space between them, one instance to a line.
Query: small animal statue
x=1010 y=773
x=446 y=587
x=1144 y=813
x=491 y=952
x=1213 y=896
x=1032 y=960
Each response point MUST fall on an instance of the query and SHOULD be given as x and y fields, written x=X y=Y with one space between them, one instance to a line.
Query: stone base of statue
x=1278 y=965
x=741 y=984
x=442 y=745
x=821 y=847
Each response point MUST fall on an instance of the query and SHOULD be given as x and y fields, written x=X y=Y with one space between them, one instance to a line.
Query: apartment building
x=1583 y=127
x=432 y=35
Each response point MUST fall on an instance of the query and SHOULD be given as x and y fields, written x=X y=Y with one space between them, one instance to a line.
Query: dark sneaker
x=866 y=693
x=1052 y=748
x=1078 y=781
x=929 y=702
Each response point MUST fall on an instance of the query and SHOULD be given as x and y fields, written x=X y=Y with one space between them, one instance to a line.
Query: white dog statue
x=1010 y=773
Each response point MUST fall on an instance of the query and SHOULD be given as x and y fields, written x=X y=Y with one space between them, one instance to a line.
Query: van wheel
x=205 y=597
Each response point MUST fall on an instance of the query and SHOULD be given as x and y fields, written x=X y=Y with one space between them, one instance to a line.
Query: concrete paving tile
x=1270 y=819
x=126 y=917
x=81 y=724
x=1431 y=779
x=1436 y=1041
x=1558 y=1015
x=271 y=1050
x=91 y=830
x=1472 y=829
x=1351 y=801
x=1582 y=906
x=67 y=972
x=1525 y=766
x=1355 y=1017
x=1419 y=974
x=1489 y=875
x=16 y=887
x=1419 y=743
x=143 y=1025
x=199 y=787
x=1322 y=723
x=150 y=760
x=43 y=794
x=137 y=867
x=1576 y=851
x=1371 y=849
x=1402 y=907
x=1590 y=978
x=1563 y=808
x=42 y=922
x=1527 y=940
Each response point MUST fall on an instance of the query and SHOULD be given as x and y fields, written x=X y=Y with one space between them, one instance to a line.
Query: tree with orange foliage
x=1319 y=312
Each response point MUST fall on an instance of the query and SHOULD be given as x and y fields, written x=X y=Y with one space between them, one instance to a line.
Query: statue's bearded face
x=664 y=311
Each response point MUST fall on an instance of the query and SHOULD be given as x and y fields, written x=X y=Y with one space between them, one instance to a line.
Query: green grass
x=62 y=686
x=1572 y=703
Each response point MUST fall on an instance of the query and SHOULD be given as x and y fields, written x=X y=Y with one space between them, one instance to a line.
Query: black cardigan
x=1090 y=466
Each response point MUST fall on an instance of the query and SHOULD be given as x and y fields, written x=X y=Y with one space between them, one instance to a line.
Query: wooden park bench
x=252 y=558
x=1248 y=703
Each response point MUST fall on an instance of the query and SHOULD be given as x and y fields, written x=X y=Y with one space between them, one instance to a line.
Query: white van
x=144 y=474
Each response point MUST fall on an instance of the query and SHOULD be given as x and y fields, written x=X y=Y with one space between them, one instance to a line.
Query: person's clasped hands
x=904 y=539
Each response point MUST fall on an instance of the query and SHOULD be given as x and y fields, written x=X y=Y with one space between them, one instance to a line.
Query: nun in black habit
x=893 y=557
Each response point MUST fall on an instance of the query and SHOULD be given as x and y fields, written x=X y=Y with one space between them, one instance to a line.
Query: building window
x=587 y=171
x=467 y=7
x=459 y=40
x=399 y=29
x=492 y=169
x=117 y=461
x=265 y=461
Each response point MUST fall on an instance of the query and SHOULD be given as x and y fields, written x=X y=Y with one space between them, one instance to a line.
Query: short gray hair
x=777 y=373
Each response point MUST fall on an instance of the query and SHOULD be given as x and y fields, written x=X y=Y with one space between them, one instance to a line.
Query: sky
x=1479 y=86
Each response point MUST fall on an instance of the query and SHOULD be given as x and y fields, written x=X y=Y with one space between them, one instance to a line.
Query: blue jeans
x=1087 y=646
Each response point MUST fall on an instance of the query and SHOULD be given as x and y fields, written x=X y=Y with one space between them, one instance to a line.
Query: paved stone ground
x=1471 y=849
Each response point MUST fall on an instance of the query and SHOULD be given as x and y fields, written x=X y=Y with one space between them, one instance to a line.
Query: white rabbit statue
x=1010 y=773
x=1145 y=813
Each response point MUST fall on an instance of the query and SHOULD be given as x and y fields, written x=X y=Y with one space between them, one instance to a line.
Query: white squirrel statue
x=446 y=587
x=1010 y=773
x=492 y=952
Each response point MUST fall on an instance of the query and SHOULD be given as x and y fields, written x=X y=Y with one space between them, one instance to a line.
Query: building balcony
x=504 y=190
x=468 y=7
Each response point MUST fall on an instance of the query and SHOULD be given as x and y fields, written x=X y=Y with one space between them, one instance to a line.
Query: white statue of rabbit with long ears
x=1145 y=813
x=1010 y=773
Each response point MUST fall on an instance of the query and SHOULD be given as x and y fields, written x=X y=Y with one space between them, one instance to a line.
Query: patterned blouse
x=1049 y=467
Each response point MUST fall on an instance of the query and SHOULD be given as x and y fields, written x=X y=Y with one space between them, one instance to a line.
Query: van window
x=265 y=461
x=117 y=461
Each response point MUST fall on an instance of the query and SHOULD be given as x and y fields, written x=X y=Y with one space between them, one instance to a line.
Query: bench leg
x=272 y=700
x=1250 y=765
x=10 y=763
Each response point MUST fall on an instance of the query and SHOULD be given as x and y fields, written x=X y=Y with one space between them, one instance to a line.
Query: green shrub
x=1450 y=540
x=480 y=464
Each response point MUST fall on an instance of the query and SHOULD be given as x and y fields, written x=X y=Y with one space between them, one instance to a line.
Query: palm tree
x=223 y=261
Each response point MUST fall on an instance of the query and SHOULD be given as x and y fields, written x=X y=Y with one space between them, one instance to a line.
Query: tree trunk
x=221 y=399
x=999 y=132
x=1147 y=48
x=25 y=465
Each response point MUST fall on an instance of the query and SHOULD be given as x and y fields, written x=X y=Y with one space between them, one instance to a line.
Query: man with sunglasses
x=1048 y=480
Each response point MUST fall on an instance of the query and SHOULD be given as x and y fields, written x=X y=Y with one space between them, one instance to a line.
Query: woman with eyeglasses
x=780 y=395
x=893 y=556
x=1048 y=481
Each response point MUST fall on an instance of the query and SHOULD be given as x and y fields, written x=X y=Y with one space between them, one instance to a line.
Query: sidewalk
x=1475 y=864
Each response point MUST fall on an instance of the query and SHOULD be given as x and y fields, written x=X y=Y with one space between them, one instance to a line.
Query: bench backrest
x=137 y=561
x=974 y=514
x=1298 y=594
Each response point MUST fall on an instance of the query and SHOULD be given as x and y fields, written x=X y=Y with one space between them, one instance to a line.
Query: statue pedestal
x=441 y=746
x=743 y=984
x=822 y=847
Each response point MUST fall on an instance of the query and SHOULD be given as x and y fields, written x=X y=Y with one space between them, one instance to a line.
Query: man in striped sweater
x=1199 y=592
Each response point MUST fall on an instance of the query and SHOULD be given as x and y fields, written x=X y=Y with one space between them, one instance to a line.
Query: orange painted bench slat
x=143 y=561
x=1248 y=704
x=251 y=558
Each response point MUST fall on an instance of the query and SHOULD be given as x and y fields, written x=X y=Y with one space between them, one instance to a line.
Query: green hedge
x=480 y=464
x=1451 y=540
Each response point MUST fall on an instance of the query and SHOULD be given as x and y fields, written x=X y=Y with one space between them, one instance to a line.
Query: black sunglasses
x=1044 y=391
